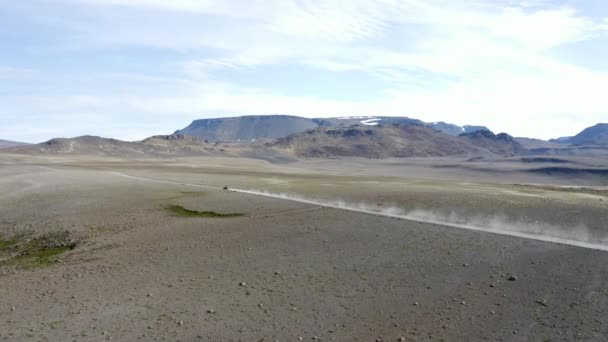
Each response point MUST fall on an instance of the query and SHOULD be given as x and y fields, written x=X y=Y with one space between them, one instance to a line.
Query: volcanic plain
x=100 y=248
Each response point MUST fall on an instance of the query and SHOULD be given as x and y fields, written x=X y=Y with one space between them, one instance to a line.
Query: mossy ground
x=7 y=243
x=40 y=258
x=34 y=252
x=181 y=211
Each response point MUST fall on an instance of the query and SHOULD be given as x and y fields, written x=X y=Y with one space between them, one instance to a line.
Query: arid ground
x=94 y=249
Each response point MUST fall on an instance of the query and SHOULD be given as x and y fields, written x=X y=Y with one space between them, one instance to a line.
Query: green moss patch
x=34 y=252
x=6 y=244
x=40 y=258
x=181 y=211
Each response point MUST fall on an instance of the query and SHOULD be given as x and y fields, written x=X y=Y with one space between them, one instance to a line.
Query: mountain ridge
x=156 y=146
x=366 y=136
x=400 y=141
x=270 y=127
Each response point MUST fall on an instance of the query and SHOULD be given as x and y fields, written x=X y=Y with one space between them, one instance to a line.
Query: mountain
x=248 y=128
x=392 y=141
x=270 y=127
x=395 y=140
x=594 y=135
x=8 y=144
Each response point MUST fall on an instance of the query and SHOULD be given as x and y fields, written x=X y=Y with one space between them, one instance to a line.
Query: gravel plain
x=290 y=271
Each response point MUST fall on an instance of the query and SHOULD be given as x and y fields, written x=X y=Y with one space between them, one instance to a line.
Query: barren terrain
x=99 y=248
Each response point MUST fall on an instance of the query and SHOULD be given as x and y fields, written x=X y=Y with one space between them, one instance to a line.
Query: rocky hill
x=173 y=140
x=393 y=141
x=156 y=146
x=594 y=135
x=499 y=144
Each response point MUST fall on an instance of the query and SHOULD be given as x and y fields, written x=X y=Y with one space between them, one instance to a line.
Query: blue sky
x=133 y=68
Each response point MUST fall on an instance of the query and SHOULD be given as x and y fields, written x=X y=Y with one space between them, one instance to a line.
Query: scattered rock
x=542 y=302
x=512 y=278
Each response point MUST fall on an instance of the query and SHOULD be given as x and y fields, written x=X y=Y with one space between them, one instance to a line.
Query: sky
x=129 y=69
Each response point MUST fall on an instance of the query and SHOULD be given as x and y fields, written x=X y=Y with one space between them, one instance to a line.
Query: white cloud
x=484 y=62
x=334 y=21
x=543 y=29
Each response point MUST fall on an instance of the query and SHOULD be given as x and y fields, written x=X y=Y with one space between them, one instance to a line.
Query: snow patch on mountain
x=370 y=122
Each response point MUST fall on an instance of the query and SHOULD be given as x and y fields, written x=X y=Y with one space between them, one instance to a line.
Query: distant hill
x=393 y=141
x=157 y=146
x=531 y=143
x=500 y=144
x=560 y=140
x=173 y=140
x=8 y=144
x=591 y=142
x=271 y=127
x=594 y=135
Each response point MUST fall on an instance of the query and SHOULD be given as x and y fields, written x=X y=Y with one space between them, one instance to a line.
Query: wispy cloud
x=499 y=63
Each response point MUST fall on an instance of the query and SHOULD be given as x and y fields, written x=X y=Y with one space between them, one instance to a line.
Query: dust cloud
x=580 y=235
